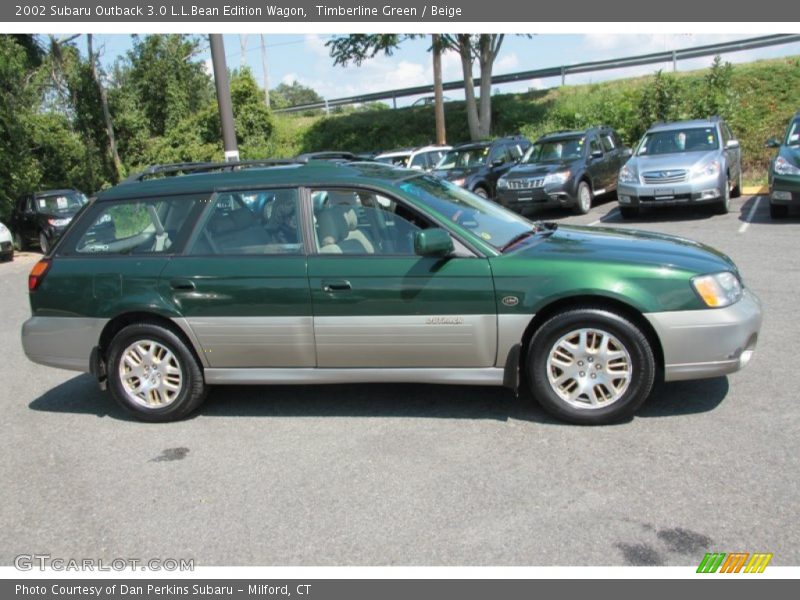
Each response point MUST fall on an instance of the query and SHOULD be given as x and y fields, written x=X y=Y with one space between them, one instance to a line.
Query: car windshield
x=793 y=136
x=398 y=160
x=490 y=222
x=68 y=202
x=672 y=141
x=464 y=159
x=555 y=150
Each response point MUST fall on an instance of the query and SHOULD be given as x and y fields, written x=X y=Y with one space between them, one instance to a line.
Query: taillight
x=37 y=274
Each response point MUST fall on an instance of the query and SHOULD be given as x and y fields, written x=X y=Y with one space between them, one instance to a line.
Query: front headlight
x=710 y=169
x=718 y=289
x=502 y=183
x=628 y=174
x=784 y=167
x=59 y=222
x=559 y=178
x=459 y=182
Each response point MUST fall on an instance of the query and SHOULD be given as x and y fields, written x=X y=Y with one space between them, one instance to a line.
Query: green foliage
x=715 y=94
x=660 y=100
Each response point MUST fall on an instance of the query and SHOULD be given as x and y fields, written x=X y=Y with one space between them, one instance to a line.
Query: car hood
x=537 y=169
x=627 y=246
x=664 y=162
x=451 y=174
x=790 y=154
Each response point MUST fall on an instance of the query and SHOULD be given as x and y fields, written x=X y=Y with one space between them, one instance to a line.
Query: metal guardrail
x=563 y=71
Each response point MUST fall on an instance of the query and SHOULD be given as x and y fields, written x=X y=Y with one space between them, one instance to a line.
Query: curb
x=751 y=190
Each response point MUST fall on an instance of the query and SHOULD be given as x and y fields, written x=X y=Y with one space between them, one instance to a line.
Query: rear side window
x=157 y=226
x=252 y=222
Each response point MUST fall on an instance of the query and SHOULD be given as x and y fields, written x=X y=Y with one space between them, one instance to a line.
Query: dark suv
x=42 y=217
x=477 y=166
x=564 y=168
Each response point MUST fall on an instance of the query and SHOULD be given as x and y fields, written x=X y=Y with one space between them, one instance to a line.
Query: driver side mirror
x=433 y=242
x=627 y=152
x=498 y=162
x=772 y=143
x=732 y=144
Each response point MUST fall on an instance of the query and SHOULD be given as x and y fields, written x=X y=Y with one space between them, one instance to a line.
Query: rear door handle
x=336 y=286
x=182 y=284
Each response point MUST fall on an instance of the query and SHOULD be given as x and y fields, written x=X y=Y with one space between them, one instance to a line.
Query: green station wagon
x=324 y=272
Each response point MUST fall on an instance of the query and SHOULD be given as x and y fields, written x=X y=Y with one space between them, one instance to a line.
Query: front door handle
x=336 y=286
x=182 y=284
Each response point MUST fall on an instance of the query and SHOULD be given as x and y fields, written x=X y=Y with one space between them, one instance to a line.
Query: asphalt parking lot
x=419 y=475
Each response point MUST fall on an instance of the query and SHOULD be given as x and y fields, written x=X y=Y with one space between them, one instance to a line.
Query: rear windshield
x=676 y=141
x=68 y=202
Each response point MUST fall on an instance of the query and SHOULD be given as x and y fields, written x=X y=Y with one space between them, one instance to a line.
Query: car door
x=378 y=304
x=733 y=156
x=30 y=221
x=597 y=164
x=242 y=285
x=612 y=156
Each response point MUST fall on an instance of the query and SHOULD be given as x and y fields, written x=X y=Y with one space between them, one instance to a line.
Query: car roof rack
x=186 y=168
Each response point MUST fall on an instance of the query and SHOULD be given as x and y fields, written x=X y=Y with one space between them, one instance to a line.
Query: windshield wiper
x=537 y=227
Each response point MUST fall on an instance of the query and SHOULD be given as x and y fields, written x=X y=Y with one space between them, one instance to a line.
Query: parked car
x=784 y=171
x=423 y=158
x=6 y=244
x=477 y=166
x=685 y=162
x=428 y=101
x=564 y=168
x=42 y=217
x=367 y=273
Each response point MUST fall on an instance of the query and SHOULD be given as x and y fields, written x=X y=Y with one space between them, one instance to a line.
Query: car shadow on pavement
x=761 y=214
x=82 y=395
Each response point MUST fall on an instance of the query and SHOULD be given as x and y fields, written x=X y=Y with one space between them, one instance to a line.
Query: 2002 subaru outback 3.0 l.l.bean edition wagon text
x=341 y=271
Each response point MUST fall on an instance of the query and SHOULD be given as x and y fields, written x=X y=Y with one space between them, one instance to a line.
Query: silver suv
x=685 y=162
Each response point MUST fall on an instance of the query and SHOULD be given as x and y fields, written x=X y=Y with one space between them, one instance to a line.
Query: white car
x=6 y=245
x=423 y=159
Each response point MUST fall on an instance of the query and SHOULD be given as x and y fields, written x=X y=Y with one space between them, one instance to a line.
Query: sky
x=305 y=58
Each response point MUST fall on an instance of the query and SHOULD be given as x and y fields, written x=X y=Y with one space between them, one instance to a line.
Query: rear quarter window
x=134 y=227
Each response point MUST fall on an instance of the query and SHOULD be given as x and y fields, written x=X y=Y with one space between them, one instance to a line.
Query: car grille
x=525 y=184
x=659 y=177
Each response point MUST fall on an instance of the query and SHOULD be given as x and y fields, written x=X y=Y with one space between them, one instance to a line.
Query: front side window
x=251 y=222
x=364 y=222
x=139 y=227
x=690 y=139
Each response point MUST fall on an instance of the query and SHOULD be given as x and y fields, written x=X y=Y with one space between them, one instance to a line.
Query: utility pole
x=223 y=97
x=438 y=95
x=266 y=71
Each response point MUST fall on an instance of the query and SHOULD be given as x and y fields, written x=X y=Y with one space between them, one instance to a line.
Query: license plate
x=664 y=192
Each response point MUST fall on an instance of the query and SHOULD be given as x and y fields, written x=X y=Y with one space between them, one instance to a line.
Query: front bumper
x=785 y=189
x=535 y=197
x=695 y=191
x=709 y=342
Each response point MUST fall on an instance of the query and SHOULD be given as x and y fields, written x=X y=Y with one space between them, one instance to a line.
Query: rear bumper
x=708 y=343
x=61 y=342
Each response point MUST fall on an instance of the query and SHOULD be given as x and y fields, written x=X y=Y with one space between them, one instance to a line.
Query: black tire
x=723 y=205
x=192 y=391
x=736 y=192
x=629 y=212
x=583 y=201
x=481 y=191
x=778 y=211
x=628 y=335
x=19 y=242
x=44 y=242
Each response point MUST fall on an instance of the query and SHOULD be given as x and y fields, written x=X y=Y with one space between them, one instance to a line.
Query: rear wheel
x=778 y=211
x=19 y=242
x=590 y=366
x=629 y=212
x=153 y=375
x=584 y=201
x=737 y=189
x=44 y=243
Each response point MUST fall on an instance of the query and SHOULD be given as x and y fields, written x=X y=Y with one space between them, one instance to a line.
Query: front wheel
x=584 y=202
x=723 y=205
x=153 y=375
x=590 y=366
x=44 y=242
x=479 y=191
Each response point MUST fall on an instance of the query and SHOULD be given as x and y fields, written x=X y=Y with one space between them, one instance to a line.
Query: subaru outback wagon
x=341 y=271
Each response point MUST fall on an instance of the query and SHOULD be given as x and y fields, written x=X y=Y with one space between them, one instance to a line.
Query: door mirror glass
x=732 y=144
x=433 y=242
